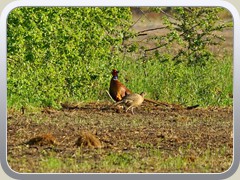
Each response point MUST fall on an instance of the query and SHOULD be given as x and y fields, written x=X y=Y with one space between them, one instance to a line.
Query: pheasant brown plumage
x=117 y=90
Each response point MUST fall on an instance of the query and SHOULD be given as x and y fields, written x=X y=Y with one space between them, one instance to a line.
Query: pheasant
x=132 y=100
x=117 y=90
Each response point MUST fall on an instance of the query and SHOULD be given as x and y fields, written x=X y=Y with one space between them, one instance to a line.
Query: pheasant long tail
x=156 y=102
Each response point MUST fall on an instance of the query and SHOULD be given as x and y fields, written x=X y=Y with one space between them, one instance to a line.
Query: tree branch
x=151 y=49
x=152 y=29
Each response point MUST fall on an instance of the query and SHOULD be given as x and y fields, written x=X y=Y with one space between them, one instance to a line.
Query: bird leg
x=131 y=109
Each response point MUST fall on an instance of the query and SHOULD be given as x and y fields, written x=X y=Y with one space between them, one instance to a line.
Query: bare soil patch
x=173 y=132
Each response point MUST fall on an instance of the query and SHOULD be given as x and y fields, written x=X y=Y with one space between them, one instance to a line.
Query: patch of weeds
x=117 y=160
x=51 y=164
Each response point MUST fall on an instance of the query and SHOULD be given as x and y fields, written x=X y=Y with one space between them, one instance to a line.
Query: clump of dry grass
x=42 y=140
x=87 y=139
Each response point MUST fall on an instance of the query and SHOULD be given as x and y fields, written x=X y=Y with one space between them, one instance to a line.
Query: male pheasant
x=117 y=90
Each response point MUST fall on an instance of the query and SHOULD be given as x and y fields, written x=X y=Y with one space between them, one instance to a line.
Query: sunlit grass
x=209 y=85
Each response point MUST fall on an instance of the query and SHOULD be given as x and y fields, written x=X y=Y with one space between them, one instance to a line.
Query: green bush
x=190 y=33
x=55 y=54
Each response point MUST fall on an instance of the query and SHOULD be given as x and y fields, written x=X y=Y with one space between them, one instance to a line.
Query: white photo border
x=117 y=3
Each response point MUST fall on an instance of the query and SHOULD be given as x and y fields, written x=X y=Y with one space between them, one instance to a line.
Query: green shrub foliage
x=56 y=54
x=191 y=33
x=195 y=30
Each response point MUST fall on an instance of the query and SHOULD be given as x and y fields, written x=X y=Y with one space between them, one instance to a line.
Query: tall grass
x=209 y=85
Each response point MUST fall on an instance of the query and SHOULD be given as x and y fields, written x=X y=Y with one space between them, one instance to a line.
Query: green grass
x=209 y=85
x=51 y=163
x=155 y=160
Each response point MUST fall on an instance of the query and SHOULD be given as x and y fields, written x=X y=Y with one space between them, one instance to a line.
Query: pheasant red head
x=115 y=73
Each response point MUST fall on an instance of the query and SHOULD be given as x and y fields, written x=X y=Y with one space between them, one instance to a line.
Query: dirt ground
x=165 y=128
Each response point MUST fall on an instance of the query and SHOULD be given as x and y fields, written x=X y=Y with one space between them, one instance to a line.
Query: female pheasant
x=132 y=100
x=117 y=90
